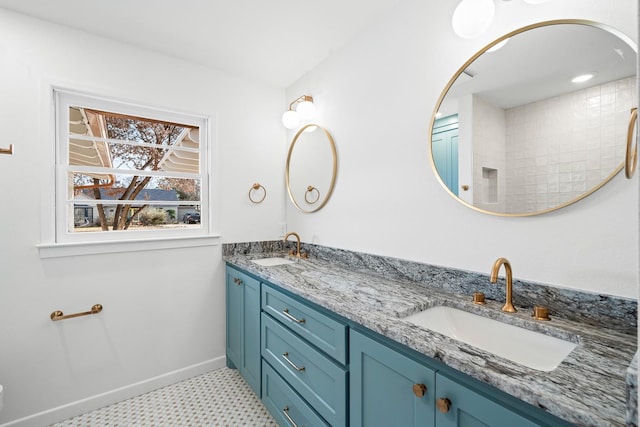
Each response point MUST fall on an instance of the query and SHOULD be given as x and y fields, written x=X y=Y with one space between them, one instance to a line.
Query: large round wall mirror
x=312 y=165
x=537 y=120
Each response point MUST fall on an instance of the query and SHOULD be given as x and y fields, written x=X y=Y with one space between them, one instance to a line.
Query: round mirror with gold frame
x=312 y=165
x=512 y=135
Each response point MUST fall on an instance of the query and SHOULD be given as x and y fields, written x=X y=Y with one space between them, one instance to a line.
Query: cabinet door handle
x=285 y=412
x=443 y=404
x=419 y=390
x=293 y=365
x=286 y=313
x=237 y=281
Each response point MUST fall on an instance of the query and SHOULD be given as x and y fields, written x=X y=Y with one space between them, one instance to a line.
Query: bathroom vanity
x=335 y=349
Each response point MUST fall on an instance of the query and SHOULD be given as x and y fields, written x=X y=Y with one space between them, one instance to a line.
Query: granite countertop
x=587 y=389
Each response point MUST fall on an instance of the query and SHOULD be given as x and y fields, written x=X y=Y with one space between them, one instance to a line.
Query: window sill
x=59 y=250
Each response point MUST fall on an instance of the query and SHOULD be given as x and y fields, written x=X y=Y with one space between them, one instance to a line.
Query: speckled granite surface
x=632 y=393
x=587 y=389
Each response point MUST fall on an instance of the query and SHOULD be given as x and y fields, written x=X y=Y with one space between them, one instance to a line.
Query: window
x=126 y=172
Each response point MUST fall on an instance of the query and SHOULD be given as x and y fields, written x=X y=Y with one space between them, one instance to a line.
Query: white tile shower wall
x=544 y=170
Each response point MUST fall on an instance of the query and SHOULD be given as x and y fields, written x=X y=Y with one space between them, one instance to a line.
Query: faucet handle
x=541 y=313
x=478 y=298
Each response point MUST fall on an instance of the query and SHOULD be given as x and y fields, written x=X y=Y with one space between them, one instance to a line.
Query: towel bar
x=58 y=315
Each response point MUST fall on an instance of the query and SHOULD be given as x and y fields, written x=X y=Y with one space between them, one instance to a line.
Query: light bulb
x=290 y=119
x=306 y=110
x=472 y=17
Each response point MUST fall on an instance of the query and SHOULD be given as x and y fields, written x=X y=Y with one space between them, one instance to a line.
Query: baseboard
x=72 y=409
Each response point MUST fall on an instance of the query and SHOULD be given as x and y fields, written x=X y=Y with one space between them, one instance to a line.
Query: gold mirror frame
x=332 y=146
x=460 y=71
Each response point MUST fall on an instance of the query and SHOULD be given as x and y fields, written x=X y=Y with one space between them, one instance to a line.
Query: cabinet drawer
x=282 y=401
x=322 y=331
x=318 y=379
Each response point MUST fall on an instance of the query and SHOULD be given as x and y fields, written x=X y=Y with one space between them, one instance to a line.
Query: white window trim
x=52 y=245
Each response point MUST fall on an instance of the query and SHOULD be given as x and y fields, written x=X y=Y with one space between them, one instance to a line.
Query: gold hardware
x=237 y=281
x=8 y=151
x=256 y=187
x=310 y=190
x=508 y=305
x=285 y=356
x=631 y=159
x=443 y=405
x=58 y=315
x=302 y=98
x=464 y=69
x=465 y=187
x=478 y=298
x=297 y=253
x=288 y=315
x=541 y=313
x=285 y=411
x=332 y=145
x=419 y=390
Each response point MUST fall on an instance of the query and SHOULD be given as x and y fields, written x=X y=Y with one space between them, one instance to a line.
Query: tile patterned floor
x=219 y=398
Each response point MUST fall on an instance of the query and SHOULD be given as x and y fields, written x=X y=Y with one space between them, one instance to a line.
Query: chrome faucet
x=508 y=305
x=297 y=236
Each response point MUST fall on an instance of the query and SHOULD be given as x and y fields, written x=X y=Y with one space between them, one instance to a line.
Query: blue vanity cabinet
x=460 y=406
x=284 y=404
x=304 y=355
x=387 y=388
x=243 y=326
x=386 y=384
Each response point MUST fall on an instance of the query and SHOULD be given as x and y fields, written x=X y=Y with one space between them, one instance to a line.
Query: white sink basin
x=270 y=262
x=532 y=349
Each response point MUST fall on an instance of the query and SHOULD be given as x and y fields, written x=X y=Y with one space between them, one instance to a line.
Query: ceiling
x=273 y=41
x=540 y=63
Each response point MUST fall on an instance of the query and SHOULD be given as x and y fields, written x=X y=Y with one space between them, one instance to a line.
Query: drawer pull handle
x=285 y=411
x=293 y=365
x=286 y=313
x=419 y=390
x=237 y=281
x=443 y=404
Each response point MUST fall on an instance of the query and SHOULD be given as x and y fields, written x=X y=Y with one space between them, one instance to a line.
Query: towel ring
x=631 y=158
x=310 y=190
x=256 y=187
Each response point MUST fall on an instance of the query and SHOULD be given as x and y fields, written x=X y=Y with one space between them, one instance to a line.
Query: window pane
x=87 y=218
x=129 y=173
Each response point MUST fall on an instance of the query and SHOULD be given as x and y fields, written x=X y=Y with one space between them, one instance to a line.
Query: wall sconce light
x=305 y=110
x=472 y=17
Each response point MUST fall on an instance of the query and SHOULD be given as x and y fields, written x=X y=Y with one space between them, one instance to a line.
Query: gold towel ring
x=310 y=190
x=631 y=159
x=256 y=187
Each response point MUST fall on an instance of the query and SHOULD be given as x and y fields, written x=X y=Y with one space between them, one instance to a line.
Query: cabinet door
x=467 y=408
x=444 y=147
x=382 y=386
x=234 y=319
x=250 y=366
x=243 y=326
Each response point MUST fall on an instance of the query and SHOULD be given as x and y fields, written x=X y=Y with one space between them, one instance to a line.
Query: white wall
x=489 y=147
x=377 y=95
x=164 y=309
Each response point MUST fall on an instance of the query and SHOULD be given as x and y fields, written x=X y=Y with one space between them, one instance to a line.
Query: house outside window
x=127 y=172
